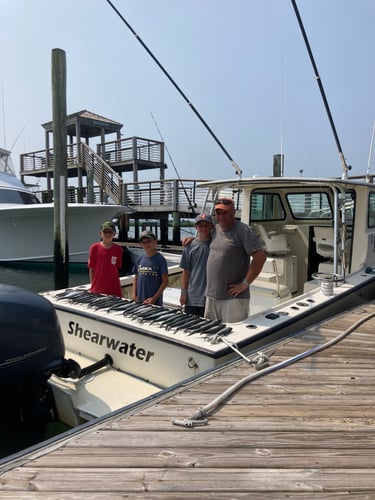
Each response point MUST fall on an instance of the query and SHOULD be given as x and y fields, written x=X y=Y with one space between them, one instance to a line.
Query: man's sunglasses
x=223 y=201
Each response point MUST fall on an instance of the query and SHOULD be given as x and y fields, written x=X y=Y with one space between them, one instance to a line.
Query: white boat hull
x=29 y=230
x=148 y=358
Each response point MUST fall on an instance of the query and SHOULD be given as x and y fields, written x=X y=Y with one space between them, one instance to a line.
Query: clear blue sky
x=242 y=63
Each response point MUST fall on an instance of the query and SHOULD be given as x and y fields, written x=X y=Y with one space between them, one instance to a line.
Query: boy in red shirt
x=105 y=260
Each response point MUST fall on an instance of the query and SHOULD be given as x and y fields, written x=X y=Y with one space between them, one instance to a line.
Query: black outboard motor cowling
x=31 y=341
x=31 y=349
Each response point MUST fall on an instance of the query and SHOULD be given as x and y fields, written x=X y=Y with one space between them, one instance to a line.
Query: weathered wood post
x=61 y=253
x=278 y=165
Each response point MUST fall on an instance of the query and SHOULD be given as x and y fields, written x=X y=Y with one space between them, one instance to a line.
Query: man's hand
x=236 y=289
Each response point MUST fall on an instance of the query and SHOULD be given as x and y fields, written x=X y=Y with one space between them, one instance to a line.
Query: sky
x=242 y=64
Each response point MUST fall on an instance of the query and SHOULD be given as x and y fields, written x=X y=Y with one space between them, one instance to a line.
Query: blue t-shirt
x=149 y=271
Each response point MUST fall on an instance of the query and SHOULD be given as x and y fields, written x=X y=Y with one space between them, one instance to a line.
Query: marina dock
x=109 y=173
x=304 y=431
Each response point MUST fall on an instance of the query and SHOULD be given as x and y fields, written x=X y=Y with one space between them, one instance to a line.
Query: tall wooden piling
x=61 y=252
x=278 y=165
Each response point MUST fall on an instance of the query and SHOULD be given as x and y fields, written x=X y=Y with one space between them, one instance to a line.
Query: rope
x=199 y=417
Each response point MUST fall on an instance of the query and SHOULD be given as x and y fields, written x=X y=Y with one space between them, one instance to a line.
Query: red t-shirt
x=106 y=262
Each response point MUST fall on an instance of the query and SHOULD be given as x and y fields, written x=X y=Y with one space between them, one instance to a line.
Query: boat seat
x=324 y=241
x=326 y=267
x=274 y=243
x=280 y=270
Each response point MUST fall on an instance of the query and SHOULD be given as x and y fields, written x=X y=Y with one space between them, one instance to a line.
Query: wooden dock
x=306 y=431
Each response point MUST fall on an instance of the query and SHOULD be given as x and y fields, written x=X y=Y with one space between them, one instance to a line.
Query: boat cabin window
x=18 y=197
x=309 y=205
x=266 y=206
x=371 y=209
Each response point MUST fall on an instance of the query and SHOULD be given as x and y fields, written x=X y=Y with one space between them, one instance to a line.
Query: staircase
x=99 y=170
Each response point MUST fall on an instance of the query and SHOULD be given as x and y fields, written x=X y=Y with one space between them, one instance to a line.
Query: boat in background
x=29 y=224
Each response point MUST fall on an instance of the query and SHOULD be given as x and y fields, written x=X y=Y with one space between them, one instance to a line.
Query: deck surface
x=306 y=431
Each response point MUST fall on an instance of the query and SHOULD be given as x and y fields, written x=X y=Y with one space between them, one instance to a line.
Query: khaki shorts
x=228 y=311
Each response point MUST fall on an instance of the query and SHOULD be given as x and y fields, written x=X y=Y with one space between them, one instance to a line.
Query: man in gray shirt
x=236 y=258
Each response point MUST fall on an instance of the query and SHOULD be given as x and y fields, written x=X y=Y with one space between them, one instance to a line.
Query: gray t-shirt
x=229 y=259
x=194 y=259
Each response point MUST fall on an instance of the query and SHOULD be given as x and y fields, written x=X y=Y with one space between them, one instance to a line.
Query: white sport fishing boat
x=319 y=236
x=28 y=224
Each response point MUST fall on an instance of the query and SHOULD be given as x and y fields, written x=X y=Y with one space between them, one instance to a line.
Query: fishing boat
x=319 y=237
x=29 y=227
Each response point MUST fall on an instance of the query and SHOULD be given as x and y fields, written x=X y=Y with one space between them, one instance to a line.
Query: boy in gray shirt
x=193 y=262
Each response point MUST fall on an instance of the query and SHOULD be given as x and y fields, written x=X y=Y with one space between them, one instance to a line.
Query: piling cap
x=205 y=217
x=147 y=235
x=108 y=225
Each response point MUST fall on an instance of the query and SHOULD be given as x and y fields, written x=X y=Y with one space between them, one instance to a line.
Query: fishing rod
x=346 y=168
x=234 y=164
x=191 y=206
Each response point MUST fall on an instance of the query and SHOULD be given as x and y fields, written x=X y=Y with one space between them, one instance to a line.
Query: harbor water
x=39 y=277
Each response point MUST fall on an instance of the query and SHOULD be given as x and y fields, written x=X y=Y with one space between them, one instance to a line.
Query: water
x=40 y=277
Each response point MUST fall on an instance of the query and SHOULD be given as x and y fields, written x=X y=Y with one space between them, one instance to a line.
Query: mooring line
x=200 y=417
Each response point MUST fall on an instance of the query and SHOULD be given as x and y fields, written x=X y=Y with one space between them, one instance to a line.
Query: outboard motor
x=31 y=349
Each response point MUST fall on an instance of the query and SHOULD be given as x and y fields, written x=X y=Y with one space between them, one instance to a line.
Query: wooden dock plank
x=304 y=432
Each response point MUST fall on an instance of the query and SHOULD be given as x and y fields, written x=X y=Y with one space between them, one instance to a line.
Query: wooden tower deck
x=304 y=432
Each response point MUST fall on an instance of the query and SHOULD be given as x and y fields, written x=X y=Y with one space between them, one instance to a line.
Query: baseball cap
x=108 y=225
x=224 y=203
x=147 y=235
x=205 y=217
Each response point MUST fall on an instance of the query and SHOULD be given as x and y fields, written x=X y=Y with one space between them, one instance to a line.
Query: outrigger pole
x=346 y=168
x=234 y=164
x=191 y=206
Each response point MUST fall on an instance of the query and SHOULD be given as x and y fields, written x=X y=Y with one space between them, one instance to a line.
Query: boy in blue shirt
x=150 y=272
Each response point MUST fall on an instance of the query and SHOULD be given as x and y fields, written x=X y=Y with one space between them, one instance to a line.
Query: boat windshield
x=309 y=205
x=12 y=196
x=303 y=205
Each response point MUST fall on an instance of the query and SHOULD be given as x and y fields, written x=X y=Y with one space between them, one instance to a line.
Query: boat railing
x=369 y=178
